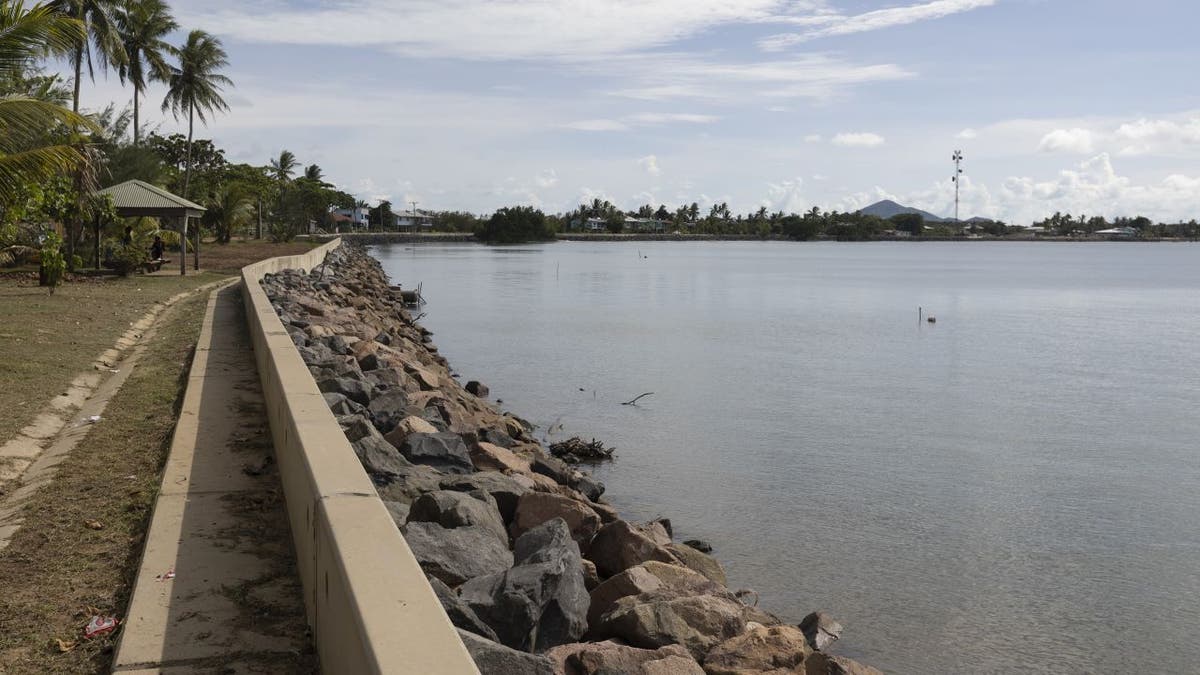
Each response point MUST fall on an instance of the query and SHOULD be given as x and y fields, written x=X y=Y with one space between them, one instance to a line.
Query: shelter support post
x=196 y=249
x=183 y=246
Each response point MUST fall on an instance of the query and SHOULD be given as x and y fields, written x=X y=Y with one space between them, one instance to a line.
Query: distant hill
x=888 y=208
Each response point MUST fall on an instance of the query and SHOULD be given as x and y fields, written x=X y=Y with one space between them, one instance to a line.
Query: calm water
x=1016 y=487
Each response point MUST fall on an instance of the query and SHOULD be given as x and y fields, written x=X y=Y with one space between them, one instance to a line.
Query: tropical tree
x=229 y=209
x=143 y=25
x=283 y=168
x=195 y=86
x=313 y=172
x=29 y=153
x=100 y=30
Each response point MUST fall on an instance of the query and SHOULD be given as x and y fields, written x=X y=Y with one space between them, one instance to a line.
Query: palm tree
x=313 y=172
x=282 y=168
x=27 y=154
x=142 y=25
x=229 y=209
x=195 y=86
x=101 y=30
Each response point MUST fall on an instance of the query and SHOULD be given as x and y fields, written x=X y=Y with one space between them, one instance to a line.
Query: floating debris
x=575 y=449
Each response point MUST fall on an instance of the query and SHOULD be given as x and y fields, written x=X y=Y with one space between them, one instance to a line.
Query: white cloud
x=1145 y=136
x=813 y=138
x=597 y=125
x=858 y=140
x=831 y=24
x=650 y=164
x=547 y=178
x=967 y=134
x=787 y=196
x=1075 y=140
x=665 y=118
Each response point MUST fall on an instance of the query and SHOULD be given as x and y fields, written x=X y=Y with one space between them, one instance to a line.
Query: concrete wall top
x=368 y=601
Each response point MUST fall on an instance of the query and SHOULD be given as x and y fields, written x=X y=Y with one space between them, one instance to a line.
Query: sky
x=1079 y=106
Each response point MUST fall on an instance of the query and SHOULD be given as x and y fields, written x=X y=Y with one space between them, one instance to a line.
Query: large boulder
x=535 y=508
x=506 y=490
x=609 y=657
x=388 y=408
x=455 y=555
x=759 y=651
x=459 y=509
x=821 y=630
x=379 y=457
x=541 y=602
x=445 y=452
x=648 y=577
x=492 y=658
x=408 y=425
x=407 y=483
x=660 y=618
x=620 y=545
x=489 y=457
x=554 y=468
x=825 y=664
x=460 y=615
x=701 y=562
x=351 y=388
x=340 y=405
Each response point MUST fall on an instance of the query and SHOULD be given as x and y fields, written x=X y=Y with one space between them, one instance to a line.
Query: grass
x=56 y=568
x=46 y=340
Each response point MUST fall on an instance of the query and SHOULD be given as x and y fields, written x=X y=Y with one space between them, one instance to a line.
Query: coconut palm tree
x=313 y=172
x=142 y=25
x=282 y=168
x=229 y=209
x=101 y=30
x=27 y=151
x=194 y=87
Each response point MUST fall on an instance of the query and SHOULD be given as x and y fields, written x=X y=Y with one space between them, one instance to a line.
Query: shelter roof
x=139 y=198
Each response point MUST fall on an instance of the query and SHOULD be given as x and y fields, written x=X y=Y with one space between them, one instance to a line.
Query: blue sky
x=1085 y=106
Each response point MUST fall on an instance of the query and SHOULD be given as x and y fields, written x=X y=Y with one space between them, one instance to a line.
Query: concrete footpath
x=218 y=590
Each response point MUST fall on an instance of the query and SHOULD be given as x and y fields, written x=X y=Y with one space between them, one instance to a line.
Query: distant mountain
x=888 y=208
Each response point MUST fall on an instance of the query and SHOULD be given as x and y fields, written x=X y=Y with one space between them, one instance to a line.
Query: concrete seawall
x=368 y=602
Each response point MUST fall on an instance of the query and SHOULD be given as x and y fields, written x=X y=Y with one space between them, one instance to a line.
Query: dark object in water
x=932 y=319
x=699 y=545
x=577 y=449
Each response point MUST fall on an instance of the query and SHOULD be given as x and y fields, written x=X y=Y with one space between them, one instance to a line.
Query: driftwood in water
x=635 y=399
x=575 y=449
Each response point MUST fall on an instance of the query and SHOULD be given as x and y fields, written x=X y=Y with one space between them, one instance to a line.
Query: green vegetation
x=515 y=224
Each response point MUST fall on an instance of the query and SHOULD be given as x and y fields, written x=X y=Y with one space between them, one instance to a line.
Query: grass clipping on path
x=57 y=568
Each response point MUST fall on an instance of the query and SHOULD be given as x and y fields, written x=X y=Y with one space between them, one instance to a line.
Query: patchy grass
x=56 y=567
x=232 y=257
x=46 y=340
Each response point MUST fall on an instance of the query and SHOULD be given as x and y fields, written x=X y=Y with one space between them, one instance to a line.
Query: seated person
x=156 y=249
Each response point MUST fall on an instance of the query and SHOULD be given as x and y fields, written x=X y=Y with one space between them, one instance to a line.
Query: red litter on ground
x=169 y=574
x=100 y=625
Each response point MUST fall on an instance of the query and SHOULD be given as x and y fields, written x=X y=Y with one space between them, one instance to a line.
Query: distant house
x=1122 y=232
x=594 y=225
x=414 y=221
x=643 y=224
x=355 y=217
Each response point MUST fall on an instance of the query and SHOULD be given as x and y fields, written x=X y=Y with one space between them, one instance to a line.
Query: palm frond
x=26 y=34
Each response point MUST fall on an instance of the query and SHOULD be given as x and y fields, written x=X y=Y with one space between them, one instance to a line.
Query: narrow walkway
x=234 y=603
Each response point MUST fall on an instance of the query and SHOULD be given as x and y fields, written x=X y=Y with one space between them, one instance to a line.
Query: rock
x=408 y=483
x=445 y=452
x=619 y=545
x=760 y=616
x=379 y=457
x=825 y=664
x=338 y=344
x=590 y=487
x=541 y=602
x=607 y=513
x=535 y=508
x=658 y=530
x=821 y=630
x=493 y=658
x=425 y=377
x=459 y=509
x=340 y=405
x=657 y=619
x=460 y=615
x=495 y=437
x=351 y=388
x=506 y=490
x=394 y=378
x=699 y=545
x=458 y=554
x=398 y=511
x=759 y=650
x=704 y=564
x=665 y=524
x=552 y=467
x=477 y=388
x=387 y=409
x=591 y=579
x=357 y=427
x=488 y=457
x=409 y=425
x=609 y=657
x=650 y=577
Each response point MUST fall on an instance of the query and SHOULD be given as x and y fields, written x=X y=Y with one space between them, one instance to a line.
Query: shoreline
x=370 y=238
x=525 y=553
